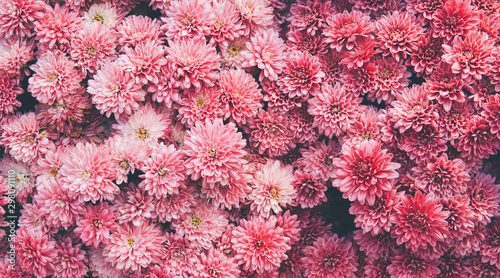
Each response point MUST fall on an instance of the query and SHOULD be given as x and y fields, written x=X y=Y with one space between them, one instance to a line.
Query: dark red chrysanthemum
x=478 y=269
x=377 y=268
x=452 y=267
x=407 y=265
x=455 y=18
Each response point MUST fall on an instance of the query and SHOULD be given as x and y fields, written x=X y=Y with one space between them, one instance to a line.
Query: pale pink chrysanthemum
x=302 y=41
x=419 y=221
x=96 y=224
x=398 y=34
x=214 y=151
x=443 y=177
x=35 y=252
x=105 y=13
x=199 y=106
x=390 y=81
x=174 y=206
x=232 y=53
x=202 y=225
x=188 y=19
x=426 y=56
x=362 y=53
x=477 y=141
x=114 y=91
x=9 y=91
x=310 y=16
x=484 y=195
x=455 y=18
x=144 y=62
x=461 y=219
x=255 y=14
x=161 y=5
x=127 y=155
x=88 y=172
x=277 y=100
x=272 y=188
x=366 y=127
x=70 y=260
x=100 y=267
x=334 y=110
x=214 y=263
x=374 y=246
x=17 y=17
x=24 y=181
x=164 y=171
x=329 y=257
x=445 y=87
x=347 y=28
x=471 y=56
x=56 y=29
x=164 y=91
x=291 y=225
x=302 y=75
x=93 y=47
x=33 y=219
x=178 y=254
x=266 y=50
x=259 y=244
x=55 y=78
x=227 y=25
x=134 y=205
x=136 y=29
x=317 y=160
x=270 y=133
x=14 y=57
x=22 y=138
x=134 y=248
x=194 y=62
x=424 y=145
x=301 y=123
x=230 y=195
x=369 y=5
x=490 y=248
x=310 y=192
x=364 y=171
x=424 y=9
x=405 y=264
x=491 y=114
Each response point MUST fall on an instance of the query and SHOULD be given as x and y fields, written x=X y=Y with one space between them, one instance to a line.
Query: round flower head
x=461 y=219
x=33 y=219
x=477 y=141
x=135 y=29
x=104 y=13
x=345 y=29
x=310 y=16
x=317 y=160
x=55 y=78
x=301 y=124
x=35 y=252
x=359 y=81
x=362 y=53
x=127 y=155
x=491 y=114
x=405 y=264
x=445 y=86
x=214 y=263
x=310 y=192
x=17 y=17
x=424 y=145
x=272 y=188
x=24 y=180
x=277 y=100
x=478 y=269
x=70 y=260
x=484 y=195
x=230 y=195
x=427 y=55
x=144 y=62
x=255 y=14
x=364 y=171
x=174 y=206
x=214 y=151
x=200 y=106
x=391 y=79
x=232 y=53
x=100 y=267
x=227 y=25
x=378 y=246
x=14 y=57
x=330 y=257
x=301 y=76
x=490 y=249
x=455 y=18
x=424 y=9
x=134 y=205
x=302 y=41
x=96 y=224
x=165 y=91
x=266 y=51
x=188 y=19
x=93 y=47
x=193 y=62
x=178 y=254
x=259 y=244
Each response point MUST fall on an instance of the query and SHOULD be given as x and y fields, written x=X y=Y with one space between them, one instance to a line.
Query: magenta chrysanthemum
x=230 y=195
x=310 y=16
x=346 y=29
x=96 y=224
x=491 y=114
x=424 y=145
x=17 y=17
x=484 y=195
x=477 y=141
x=404 y=264
x=310 y=192
x=189 y=19
x=426 y=56
x=455 y=18
x=301 y=76
x=490 y=248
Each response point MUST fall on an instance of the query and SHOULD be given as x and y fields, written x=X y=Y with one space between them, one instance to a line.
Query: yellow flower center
x=142 y=133
x=196 y=221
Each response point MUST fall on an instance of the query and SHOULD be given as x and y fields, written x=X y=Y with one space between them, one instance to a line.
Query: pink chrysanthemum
x=232 y=53
x=291 y=225
x=404 y=264
x=93 y=47
x=331 y=66
x=22 y=138
x=477 y=141
x=214 y=263
x=398 y=34
x=424 y=9
x=240 y=95
x=334 y=110
x=194 y=63
x=17 y=17
x=376 y=268
x=272 y=188
x=214 y=151
x=490 y=248
x=330 y=257
x=277 y=100
x=484 y=195
x=178 y=254
x=127 y=155
x=317 y=160
x=346 y=29
x=136 y=29
x=172 y=207
x=461 y=219
x=33 y=219
x=455 y=18
x=445 y=87
x=424 y=145
x=56 y=29
x=291 y=267
x=451 y=266
x=70 y=260
x=24 y=181
x=230 y=195
x=164 y=171
x=301 y=124
x=364 y=171
x=96 y=224
x=255 y=14
x=366 y=127
x=100 y=267
x=359 y=81
x=134 y=206
x=303 y=41
x=270 y=134
x=301 y=76
x=362 y=52
x=88 y=173
x=144 y=62
x=266 y=51
x=9 y=91
x=470 y=244
x=35 y=252
x=375 y=246
x=310 y=16
x=200 y=106
x=188 y=19
x=310 y=192
x=477 y=269
x=55 y=78
x=426 y=55
x=368 y=5
x=133 y=248
x=390 y=81
x=227 y=25
x=491 y=114
x=164 y=91
x=259 y=244
x=114 y=91
x=471 y=56
x=106 y=13
x=314 y=227
x=419 y=221
x=14 y=57
x=490 y=24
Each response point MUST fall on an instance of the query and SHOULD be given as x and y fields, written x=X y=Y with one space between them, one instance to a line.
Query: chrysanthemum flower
x=270 y=134
x=471 y=56
x=93 y=47
x=303 y=41
x=188 y=19
x=424 y=145
x=314 y=227
x=375 y=268
x=35 y=252
x=405 y=264
x=317 y=160
x=133 y=248
x=461 y=219
x=329 y=257
x=364 y=171
x=230 y=195
x=178 y=254
x=134 y=205
x=100 y=267
x=127 y=155
x=366 y=127
x=377 y=246
x=266 y=51
x=115 y=91
x=362 y=52
x=424 y=9
x=214 y=150
x=202 y=225
x=346 y=29
x=200 y=106
x=161 y=5
x=33 y=219
x=291 y=267
x=227 y=25
x=310 y=192
x=105 y=13
x=24 y=181
x=164 y=171
x=96 y=224
x=331 y=66
x=359 y=81
x=490 y=248
x=291 y=225
x=334 y=110
x=214 y=263
x=70 y=260
x=194 y=62
x=55 y=78
x=144 y=62
x=14 y=57
x=476 y=268
x=426 y=56
x=491 y=114
x=272 y=188
x=88 y=173
x=398 y=34
x=136 y=29
x=301 y=124
x=484 y=195
x=174 y=206
x=301 y=76
x=232 y=53
x=368 y=5
x=419 y=221
x=255 y=14
x=470 y=244
x=239 y=95
x=489 y=23
x=477 y=141
x=455 y=18
x=22 y=138
x=390 y=81
x=17 y=17
x=259 y=244
x=445 y=87
x=310 y=16
x=277 y=100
